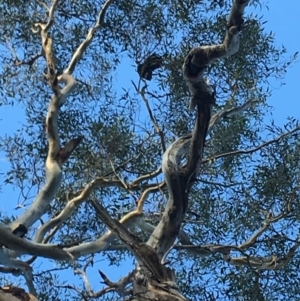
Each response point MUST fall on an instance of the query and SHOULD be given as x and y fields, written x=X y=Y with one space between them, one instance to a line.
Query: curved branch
x=148 y=176
x=69 y=208
x=180 y=177
x=16 y=243
x=56 y=155
x=55 y=158
x=216 y=118
x=102 y=243
x=89 y=38
x=23 y=246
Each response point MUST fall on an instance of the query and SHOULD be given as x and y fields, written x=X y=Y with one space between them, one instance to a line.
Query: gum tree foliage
x=226 y=224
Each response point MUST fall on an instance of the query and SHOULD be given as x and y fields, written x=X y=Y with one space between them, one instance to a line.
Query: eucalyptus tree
x=143 y=140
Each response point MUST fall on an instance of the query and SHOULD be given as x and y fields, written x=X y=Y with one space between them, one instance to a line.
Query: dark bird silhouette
x=151 y=63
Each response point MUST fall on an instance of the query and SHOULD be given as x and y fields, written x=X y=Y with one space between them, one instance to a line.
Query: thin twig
x=152 y=118
x=251 y=150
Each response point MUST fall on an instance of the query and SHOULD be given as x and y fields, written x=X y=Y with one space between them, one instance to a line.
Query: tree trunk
x=147 y=288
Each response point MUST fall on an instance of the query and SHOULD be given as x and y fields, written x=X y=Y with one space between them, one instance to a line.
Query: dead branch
x=119 y=286
x=144 y=254
x=152 y=118
x=30 y=62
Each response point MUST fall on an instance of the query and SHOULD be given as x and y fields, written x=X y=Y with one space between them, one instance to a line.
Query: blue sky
x=283 y=19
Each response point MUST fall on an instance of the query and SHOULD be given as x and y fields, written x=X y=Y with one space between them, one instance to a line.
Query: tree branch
x=89 y=38
x=119 y=286
x=216 y=118
x=55 y=158
x=179 y=178
x=16 y=243
x=252 y=150
x=144 y=254
x=155 y=125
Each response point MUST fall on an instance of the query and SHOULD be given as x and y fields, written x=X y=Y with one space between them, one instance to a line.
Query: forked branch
x=56 y=155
